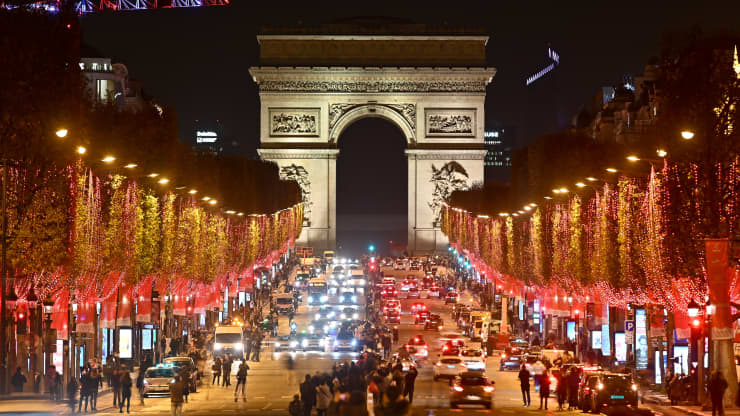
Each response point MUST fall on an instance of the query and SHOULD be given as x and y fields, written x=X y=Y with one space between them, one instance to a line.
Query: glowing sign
x=555 y=60
x=206 y=136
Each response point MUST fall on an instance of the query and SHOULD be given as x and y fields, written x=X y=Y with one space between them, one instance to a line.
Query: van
x=228 y=339
x=329 y=256
x=284 y=303
x=480 y=325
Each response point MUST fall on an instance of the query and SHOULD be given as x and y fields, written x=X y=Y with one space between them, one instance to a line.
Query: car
x=348 y=298
x=392 y=304
x=434 y=322
x=418 y=347
x=414 y=292
x=322 y=326
x=606 y=389
x=285 y=343
x=345 y=341
x=510 y=362
x=400 y=265
x=403 y=293
x=349 y=314
x=451 y=297
x=181 y=364
x=418 y=306
x=157 y=380
x=474 y=359
x=392 y=318
x=433 y=291
x=325 y=312
x=389 y=292
x=448 y=367
x=471 y=387
x=421 y=317
x=452 y=338
x=313 y=343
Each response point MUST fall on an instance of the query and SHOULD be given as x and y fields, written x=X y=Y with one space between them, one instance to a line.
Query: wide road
x=273 y=381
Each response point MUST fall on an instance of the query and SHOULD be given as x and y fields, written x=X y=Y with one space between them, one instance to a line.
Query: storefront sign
x=641 y=346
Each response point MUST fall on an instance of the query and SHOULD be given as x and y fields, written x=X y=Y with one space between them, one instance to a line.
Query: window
x=104 y=89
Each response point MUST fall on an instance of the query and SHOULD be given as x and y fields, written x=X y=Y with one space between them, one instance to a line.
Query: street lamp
x=661 y=153
x=62 y=133
x=687 y=134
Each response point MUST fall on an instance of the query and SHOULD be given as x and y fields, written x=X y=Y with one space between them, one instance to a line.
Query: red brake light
x=458 y=389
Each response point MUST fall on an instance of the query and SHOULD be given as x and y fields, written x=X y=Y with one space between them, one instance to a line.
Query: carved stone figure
x=449 y=178
x=300 y=175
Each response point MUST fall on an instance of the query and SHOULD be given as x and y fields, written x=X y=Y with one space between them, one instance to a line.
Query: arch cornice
x=392 y=112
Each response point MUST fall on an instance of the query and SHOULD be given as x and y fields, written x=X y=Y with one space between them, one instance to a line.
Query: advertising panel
x=125 y=343
x=641 y=344
x=57 y=358
x=596 y=340
x=146 y=339
x=606 y=347
x=571 y=330
x=620 y=346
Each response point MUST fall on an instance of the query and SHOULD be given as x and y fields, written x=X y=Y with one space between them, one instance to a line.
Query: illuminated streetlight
x=687 y=134
x=62 y=133
x=633 y=158
x=591 y=179
x=192 y=191
x=81 y=150
x=527 y=208
x=556 y=191
x=108 y=159
x=521 y=212
x=231 y=212
x=548 y=197
x=213 y=202
x=153 y=175
x=661 y=153
x=206 y=198
x=163 y=181
x=503 y=214
x=564 y=190
x=131 y=166
x=611 y=170
x=240 y=214
x=580 y=184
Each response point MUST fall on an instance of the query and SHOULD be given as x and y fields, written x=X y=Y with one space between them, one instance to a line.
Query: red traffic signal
x=695 y=323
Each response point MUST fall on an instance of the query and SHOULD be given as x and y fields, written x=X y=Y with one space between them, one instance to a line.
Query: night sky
x=197 y=60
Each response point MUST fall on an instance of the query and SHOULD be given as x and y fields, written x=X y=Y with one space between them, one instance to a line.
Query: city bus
x=317 y=291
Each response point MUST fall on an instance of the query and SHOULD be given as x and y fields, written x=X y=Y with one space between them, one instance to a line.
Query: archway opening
x=372 y=187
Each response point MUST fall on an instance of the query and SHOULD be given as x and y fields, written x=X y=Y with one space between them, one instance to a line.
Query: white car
x=451 y=336
x=403 y=293
x=448 y=367
x=473 y=359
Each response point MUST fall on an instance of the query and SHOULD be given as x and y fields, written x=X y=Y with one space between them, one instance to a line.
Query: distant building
x=109 y=82
x=499 y=142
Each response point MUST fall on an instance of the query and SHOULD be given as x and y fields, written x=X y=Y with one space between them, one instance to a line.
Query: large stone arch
x=432 y=87
x=359 y=111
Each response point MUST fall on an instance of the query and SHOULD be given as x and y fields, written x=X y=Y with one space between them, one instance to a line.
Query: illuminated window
x=104 y=89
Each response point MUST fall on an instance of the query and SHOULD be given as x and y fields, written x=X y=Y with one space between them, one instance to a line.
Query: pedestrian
x=241 y=381
x=140 y=385
x=18 y=380
x=84 y=390
x=717 y=386
x=561 y=389
x=186 y=376
x=72 y=392
x=409 y=382
x=36 y=382
x=248 y=349
x=176 y=399
x=216 y=371
x=544 y=389
x=126 y=384
x=573 y=383
x=54 y=383
x=308 y=395
x=95 y=378
x=323 y=397
x=257 y=347
x=115 y=384
x=524 y=377
x=295 y=408
x=226 y=370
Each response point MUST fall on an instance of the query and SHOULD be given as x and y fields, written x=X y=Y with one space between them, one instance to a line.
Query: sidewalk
x=661 y=399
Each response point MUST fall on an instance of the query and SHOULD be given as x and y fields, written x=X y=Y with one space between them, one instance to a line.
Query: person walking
x=561 y=389
x=257 y=347
x=72 y=393
x=115 y=384
x=84 y=391
x=524 y=377
x=323 y=398
x=409 y=382
x=226 y=370
x=308 y=395
x=295 y=408
x=186 y=375
x=176 y=399
x=216 y=371
x=95 y=380
x=544 y=388
x=126 y=384
x=241 y=381
x=54 y=383
x=717 y=386
x=140 y=385
x=18 y=380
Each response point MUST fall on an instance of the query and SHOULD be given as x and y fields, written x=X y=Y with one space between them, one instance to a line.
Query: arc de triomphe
x=430 y=83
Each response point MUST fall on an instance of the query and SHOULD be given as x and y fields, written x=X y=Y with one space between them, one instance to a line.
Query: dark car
x=510 y=362
x=348 y=298
x=602 y=390
x=471 y=387
x=451 y=297
x=421 y=317
x=434 y=322
x=393 y=318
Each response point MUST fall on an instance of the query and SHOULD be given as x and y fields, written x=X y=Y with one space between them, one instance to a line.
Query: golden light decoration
x=548 y=197
x=527 y=208
x=591 y=179
x=81 y=150
x=153 y=175
x=564 y=190
x=503 y=214
x=212 y=202
x=163 y=181
x=556 y=191
x=206 y=198
x=231 y=212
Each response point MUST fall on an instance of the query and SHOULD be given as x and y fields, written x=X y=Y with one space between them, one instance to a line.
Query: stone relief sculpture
x=300 y=175
x=286 y=122
x=449 y=178
x=373 y=86
x=450 y=122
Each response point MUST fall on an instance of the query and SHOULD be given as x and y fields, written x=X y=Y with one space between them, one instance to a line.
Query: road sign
x=629 y=332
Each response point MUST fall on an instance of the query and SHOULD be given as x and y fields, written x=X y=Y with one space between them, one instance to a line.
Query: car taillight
x=488 y=389
x=439 y=327
x=438 y=364
x=553 y=380
x=458 y=389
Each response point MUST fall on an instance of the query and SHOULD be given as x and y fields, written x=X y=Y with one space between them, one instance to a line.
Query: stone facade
x=304 y=111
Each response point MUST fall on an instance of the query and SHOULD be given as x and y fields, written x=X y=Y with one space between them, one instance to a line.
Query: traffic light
x=371 y=247
x=21 y=323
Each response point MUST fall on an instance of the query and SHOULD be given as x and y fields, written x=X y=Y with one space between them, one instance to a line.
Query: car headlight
x=354 y=342
x=354 y=298
x=344 y=316
x=310 y=328
x=146 y=382
x=326 y=328
x=324 y=298
x=634 y=387
x=217 y=346
x=238 y=346
x=293 y=344
x=355 y=316
x=304 y=342
x=277 y=344
x=317 y=316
